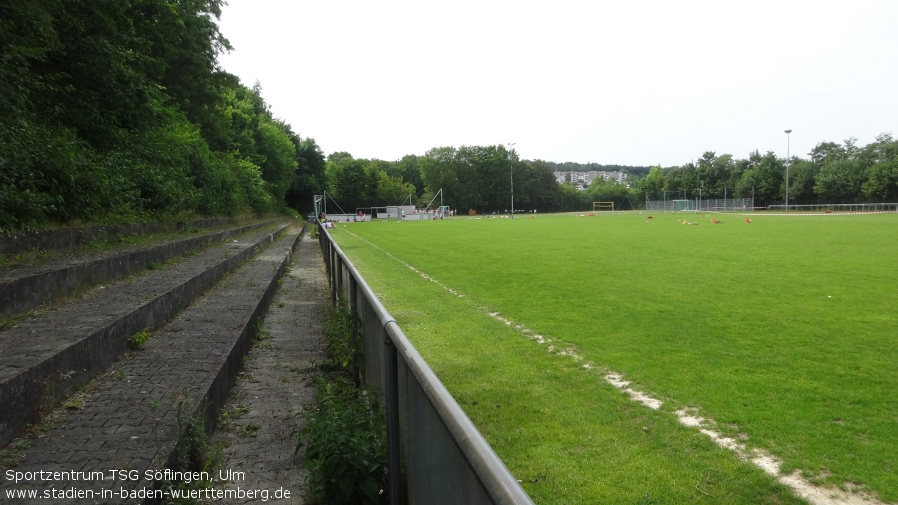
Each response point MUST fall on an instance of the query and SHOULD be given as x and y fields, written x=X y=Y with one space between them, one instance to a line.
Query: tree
x=826 y=151
x=486 y=175
x=277 y=153
x=653 y=183
x=309 y=178
x=184 y=42
x=572 y=199
x=802 y=174
x=409 y=171
x=839 y=179
x=763 y=177
x=715 y=175
x=119 y=109
x=440 y=171
x=391 y=190
x=608 y=191
x=882 y=181
x=682 y=181
x=885 y=148
x=539 y=188
x=350 y=184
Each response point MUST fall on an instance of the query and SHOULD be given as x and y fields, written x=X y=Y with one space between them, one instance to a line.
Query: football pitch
x=619 y=359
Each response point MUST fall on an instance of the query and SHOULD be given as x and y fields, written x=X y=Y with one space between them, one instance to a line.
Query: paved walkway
x=260 y=416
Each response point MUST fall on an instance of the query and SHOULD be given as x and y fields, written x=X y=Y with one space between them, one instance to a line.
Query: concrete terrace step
x=23 y=287
x=46 y=357
x=69 y=238
x=276 y=383
x=128 y=421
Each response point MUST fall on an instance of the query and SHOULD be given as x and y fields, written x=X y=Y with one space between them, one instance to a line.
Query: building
x=583 y=179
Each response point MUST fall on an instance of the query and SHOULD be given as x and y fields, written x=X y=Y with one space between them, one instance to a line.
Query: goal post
x=598 y=206
x=684 y=205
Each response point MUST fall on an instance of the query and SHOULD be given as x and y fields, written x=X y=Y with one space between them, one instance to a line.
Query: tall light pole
x=511 y=171
x=787 y=169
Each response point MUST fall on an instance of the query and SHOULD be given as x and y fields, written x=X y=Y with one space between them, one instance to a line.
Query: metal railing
x=435 y=453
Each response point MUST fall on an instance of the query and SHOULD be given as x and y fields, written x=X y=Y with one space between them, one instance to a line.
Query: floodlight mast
x=511 y=171
x=787 y=169
x=511 y=175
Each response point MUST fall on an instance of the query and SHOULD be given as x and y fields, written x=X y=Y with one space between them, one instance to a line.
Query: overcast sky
x=611 y=82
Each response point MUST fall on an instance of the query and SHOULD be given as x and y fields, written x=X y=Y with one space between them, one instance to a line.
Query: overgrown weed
x=195 y=453
x=345 y=431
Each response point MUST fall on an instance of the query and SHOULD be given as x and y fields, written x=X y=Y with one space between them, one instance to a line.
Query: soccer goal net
x=602 y=205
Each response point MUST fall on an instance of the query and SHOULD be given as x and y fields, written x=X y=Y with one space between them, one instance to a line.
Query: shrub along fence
x=435 y=453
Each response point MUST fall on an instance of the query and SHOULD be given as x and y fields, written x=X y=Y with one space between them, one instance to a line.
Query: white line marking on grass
x=765 y=461
x=617 y=381
x=407 y=265
x=770 y=464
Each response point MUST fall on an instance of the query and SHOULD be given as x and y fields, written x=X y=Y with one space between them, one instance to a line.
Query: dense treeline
x=119 y=110
x=475 y=178
x=835 y=173
x=479 y=178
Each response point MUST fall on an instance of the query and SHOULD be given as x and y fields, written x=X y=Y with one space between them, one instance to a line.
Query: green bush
x=194 y=453
x=345 y=431
x=338 y=337
x=345 y=439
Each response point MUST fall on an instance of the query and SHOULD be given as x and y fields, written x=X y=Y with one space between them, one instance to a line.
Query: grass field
x=781 y=333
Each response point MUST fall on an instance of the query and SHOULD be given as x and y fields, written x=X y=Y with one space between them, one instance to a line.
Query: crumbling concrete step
x=44 y=358
x=71 y=238
x=276 y=383
x=124 y=431
x=23 y=287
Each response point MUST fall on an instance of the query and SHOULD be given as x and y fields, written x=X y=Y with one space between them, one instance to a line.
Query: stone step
x=259 y=426
x=26 y=286
x=46 y=357
x=70 y=238
x=123 y=431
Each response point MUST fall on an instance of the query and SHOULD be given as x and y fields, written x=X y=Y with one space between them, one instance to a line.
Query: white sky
x=611 y=82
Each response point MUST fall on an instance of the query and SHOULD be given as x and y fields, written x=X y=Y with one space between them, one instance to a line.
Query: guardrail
x=440 y=455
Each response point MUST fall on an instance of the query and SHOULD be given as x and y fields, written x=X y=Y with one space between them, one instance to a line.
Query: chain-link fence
x=698 y=204
x=839 y=207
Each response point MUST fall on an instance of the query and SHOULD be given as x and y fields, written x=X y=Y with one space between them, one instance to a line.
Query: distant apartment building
x=582 y=180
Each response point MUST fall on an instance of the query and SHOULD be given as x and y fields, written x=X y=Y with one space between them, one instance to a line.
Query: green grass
x=783 y=330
